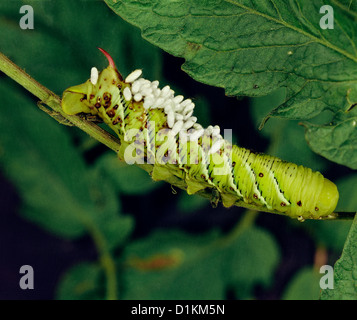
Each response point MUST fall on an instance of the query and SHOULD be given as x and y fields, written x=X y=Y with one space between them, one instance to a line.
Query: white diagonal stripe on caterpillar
x=258 y=179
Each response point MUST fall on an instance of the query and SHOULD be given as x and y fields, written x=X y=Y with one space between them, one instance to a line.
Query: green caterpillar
x=157 y=127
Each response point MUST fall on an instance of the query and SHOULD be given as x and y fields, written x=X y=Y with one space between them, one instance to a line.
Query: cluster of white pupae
x=178 y=111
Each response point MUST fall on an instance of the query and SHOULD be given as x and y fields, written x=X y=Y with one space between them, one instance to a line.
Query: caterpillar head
x=78 y=98
x=328 y=198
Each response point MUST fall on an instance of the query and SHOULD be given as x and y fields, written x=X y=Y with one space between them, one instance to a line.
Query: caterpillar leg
x=215 y=198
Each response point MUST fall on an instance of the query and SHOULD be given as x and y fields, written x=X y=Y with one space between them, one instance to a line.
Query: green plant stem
x=107 y=262
x=54 y=102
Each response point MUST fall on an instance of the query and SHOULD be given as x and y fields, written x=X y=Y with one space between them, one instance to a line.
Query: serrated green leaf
x=255 y=47
x=287 y=141
x=336 y=141
x=305 y=285
x=251 y=47
x=345 y=271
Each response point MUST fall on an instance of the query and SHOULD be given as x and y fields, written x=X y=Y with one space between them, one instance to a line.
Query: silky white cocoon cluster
x=178 y=111
x=94 y=74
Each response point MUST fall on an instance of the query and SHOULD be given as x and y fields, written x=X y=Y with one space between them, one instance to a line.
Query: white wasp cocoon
x=155 y=84
x=188 y=115
x=138 y=97
x=209 y=130
x=165 y=91
x=170 y=119
x=216 y=131
x=178 y=116
x=216 y=146
x=177 y=127
x=188 y=124
x=186 y=102
x=135 y=87
x=178 y=99
x=146 y=92
x=197 y=126
x=133 y=76
x=197 y=134
x=94 y=75
x=168 y=107
x=127 y=94
x=148 y=103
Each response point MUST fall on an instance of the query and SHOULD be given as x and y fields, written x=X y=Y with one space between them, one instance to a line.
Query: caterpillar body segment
x=158 y=128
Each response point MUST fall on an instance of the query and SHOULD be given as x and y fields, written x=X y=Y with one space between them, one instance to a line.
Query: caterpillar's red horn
x=110 y=59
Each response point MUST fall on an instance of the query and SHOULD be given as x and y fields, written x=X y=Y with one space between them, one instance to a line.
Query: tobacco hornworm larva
x=157 y=127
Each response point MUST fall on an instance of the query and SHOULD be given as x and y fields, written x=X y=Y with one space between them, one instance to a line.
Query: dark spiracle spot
x=261 y=175
x=106 y=96
x=282 y=204
x=317 y=209
x=299 y=203
x=111 y=113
